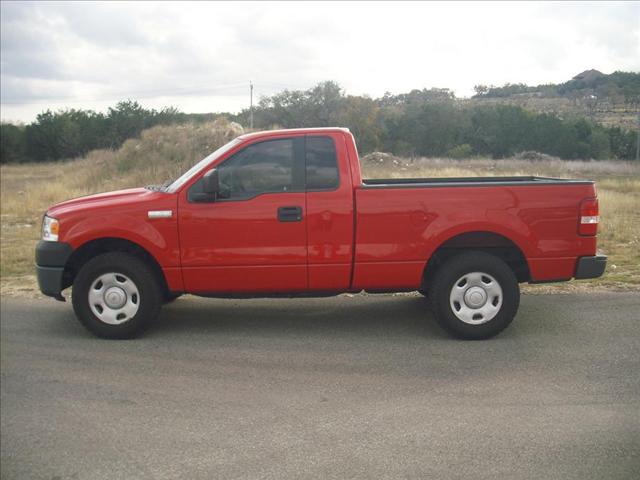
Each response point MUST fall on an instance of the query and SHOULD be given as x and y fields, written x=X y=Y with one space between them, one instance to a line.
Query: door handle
x=289 y=214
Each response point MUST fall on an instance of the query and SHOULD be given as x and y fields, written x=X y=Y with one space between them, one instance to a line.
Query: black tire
x=424 y=292
x=148 y=299
x=171 y=297
x=465 y=264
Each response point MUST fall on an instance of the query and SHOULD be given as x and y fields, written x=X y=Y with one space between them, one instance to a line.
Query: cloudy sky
x=200 y=57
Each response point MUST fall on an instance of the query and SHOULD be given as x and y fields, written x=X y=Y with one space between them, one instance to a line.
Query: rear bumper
x=51 y=258
x=591 y=267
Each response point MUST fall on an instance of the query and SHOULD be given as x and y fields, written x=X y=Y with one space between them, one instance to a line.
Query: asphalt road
x=347 y=387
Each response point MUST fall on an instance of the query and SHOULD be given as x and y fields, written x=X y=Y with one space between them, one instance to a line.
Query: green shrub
x=460 y=151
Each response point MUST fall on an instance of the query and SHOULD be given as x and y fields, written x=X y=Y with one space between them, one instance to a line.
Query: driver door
x=252 y=239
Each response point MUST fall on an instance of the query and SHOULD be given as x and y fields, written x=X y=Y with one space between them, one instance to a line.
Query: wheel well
x=104 y=245
x=488 y=242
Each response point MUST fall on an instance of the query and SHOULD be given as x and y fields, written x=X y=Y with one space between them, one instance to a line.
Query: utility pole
x=638 y=138
x=250 y=104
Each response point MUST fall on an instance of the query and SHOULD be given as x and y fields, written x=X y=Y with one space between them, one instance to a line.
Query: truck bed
x=403 y=220
x=469 y=182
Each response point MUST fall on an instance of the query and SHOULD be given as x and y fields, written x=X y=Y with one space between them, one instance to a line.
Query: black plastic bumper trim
x=50 y=281
x=52 y=254
x=591 y=267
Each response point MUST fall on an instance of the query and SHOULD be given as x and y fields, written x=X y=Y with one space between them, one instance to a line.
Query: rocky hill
x=610 y=99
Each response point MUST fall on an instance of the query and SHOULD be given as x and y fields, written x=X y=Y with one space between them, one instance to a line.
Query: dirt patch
x=23 y=286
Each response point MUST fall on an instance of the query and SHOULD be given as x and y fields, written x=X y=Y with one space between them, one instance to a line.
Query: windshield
x=186 y=176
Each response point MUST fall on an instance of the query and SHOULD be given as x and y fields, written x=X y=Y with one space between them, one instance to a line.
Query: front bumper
x=50 y=281
x=591 y=267
x=51 y=258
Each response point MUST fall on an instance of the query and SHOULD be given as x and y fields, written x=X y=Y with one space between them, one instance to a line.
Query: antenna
x=250 y=104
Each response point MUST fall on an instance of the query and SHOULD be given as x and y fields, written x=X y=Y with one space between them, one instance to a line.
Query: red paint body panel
x=173 y=276
x=388 y=276
x=350 y=238
x=236 y=246
x=124 y=215
x=547 y=269
x=409 y=224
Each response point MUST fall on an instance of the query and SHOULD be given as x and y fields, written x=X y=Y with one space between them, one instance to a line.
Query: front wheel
x=475 y=295
x=116 y=295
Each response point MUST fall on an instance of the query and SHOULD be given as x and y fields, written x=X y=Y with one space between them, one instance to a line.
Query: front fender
x=151 y=238
x=159 y=236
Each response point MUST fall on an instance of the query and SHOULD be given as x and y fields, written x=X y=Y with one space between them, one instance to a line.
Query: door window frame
x=298 y=172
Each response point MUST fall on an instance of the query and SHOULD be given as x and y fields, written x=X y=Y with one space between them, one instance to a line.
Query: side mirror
x=211 y=183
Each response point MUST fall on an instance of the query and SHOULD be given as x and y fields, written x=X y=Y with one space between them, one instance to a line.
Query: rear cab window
x=321 y=164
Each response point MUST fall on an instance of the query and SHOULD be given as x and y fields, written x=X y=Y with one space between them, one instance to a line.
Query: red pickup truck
x=287 y=213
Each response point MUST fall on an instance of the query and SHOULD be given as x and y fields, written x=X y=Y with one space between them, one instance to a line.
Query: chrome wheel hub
x=476 y=298
x=114 y=298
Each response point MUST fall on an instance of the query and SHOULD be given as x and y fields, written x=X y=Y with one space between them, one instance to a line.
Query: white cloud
x=201 y=56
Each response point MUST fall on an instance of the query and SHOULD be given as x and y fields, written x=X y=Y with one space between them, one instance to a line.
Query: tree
x=127 y=120
x=480 y=90
x=12 y=143
x=361 y=115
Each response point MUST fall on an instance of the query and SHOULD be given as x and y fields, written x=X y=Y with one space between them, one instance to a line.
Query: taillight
x=589 y=217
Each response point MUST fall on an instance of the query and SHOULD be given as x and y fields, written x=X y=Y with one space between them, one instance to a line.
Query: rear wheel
x=475 y=295
x=116 y=295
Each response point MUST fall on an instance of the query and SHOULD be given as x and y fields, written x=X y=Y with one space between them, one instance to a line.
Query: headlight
x=50 y=229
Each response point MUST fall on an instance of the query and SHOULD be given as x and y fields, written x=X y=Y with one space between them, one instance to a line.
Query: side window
x=322 y=163
x=259 y=168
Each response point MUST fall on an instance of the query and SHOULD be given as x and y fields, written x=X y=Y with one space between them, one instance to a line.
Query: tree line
x=434 y=123
x=621 y=87
x=73 y=133
x=419 y=123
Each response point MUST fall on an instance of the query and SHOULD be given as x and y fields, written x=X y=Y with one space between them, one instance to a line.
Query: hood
x=118 y=197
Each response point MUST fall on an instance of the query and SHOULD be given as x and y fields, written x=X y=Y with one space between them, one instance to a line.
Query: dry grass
x=165 y=152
